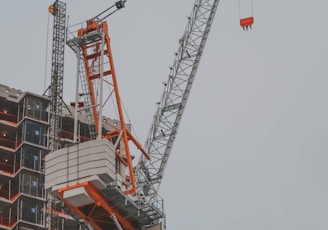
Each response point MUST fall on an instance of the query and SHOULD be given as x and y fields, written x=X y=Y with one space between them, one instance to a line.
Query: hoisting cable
x=128 y=117
x=47 y=50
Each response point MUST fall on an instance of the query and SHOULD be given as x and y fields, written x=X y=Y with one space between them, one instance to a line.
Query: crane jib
x=176 y=92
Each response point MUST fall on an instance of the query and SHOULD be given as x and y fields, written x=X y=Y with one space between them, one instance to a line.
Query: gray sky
x=251 y=152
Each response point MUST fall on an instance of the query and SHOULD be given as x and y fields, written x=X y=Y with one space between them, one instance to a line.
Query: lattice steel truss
x=174 y=98
x=57 y=73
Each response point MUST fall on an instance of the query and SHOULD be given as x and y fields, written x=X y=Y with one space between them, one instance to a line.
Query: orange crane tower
x=90 y=177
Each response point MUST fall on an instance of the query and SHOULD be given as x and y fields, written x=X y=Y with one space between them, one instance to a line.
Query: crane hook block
x=247 y=22
x=119 y=4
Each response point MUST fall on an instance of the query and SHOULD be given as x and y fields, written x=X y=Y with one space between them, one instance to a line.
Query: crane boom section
x=177 y=89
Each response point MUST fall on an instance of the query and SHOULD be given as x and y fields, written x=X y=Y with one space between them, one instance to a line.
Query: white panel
x=78 y=162
x=77 y=197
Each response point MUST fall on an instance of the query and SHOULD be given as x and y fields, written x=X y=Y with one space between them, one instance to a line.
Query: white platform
x=92 y=161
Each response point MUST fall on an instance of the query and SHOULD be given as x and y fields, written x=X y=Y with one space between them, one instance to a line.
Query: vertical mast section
x=174 y=98
x=58 y=9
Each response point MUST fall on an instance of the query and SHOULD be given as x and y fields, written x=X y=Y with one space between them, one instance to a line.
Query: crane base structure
x=90 y=177
x=84 y=176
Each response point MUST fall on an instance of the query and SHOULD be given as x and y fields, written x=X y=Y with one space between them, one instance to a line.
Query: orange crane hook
x=246 y=22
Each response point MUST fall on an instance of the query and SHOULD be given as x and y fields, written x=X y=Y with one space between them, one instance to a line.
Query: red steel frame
x=99 y=201
x=90 y=58
x=96 y=55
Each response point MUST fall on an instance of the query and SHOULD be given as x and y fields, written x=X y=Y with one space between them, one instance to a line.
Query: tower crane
x=98 y=189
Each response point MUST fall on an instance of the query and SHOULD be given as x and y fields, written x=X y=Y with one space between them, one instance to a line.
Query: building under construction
x=24 y=125
x=69 y=166
x=24 y=202
x=26 y=198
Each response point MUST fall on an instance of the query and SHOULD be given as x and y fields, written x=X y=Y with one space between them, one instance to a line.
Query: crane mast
x=170 y=109
x=58 y=9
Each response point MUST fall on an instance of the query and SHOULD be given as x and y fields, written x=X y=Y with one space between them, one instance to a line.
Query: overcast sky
x=251 y=152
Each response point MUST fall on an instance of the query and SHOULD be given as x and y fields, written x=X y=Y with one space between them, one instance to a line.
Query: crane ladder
x=57 y=73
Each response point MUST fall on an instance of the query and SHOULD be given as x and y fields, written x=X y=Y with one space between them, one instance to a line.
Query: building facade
x=24 y=133
x=23 y=145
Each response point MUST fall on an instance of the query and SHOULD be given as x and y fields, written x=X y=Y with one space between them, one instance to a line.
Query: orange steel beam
x=138 y=145
x=95 y=76
x=95 y=55
x=91 y=90
x=121 y=159
x=115 y=133
x=76 y=209
x=121 y=117
x=99 y=200
x=98 y=197
x=103 y=25
x=91 y=55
